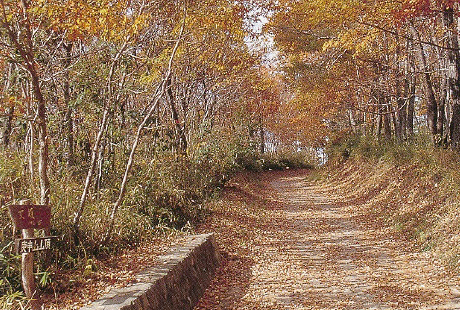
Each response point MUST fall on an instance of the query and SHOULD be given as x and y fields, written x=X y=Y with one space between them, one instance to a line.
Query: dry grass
x=421 y=203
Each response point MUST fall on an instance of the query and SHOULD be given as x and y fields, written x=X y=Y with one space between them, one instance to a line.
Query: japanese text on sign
x=34 y=244
x=30 y=216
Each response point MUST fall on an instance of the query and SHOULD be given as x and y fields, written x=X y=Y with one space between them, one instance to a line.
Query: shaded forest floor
x=290 y=242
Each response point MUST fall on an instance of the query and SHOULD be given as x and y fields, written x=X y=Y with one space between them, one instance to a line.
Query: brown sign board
x=30 y=216
x=34 y=244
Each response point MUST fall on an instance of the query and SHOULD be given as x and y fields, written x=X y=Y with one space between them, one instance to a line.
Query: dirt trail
x=308 y=249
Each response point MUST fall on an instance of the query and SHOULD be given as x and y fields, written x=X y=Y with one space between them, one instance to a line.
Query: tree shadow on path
x=232 y=280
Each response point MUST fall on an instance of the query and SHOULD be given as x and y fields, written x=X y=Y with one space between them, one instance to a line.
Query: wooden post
x=28 y=217
x=27 y=266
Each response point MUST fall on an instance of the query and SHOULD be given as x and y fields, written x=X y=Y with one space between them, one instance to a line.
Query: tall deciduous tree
x=20 y=45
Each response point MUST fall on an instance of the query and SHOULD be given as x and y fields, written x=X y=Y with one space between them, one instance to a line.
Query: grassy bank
x=412 y=186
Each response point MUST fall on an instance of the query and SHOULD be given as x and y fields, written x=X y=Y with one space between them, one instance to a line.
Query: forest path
x=310 y=249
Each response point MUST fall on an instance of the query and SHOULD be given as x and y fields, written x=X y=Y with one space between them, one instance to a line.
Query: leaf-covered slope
x=420 y=203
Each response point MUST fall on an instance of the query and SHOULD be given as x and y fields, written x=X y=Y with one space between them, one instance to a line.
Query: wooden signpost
x=28 y=217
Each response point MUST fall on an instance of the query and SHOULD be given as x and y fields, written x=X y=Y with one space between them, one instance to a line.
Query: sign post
x=28 y=217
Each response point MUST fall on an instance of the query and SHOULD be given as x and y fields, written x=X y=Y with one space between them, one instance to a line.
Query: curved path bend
x=310 y=250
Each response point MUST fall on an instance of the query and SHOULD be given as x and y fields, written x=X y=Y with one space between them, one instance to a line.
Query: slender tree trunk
x=261 y=136
x=432 y=106
x=387 y=122
x=89 y=177
x=402 y=115
x=399 y=117
x=8 y=127
x=31 y=136
x=411 y=111
x=379 y=113
x=409 y=89
x=453 y=74
x=68 y=119
x=9 y=112
x=179 y=129
x=379 y=123
x=129 y=165
x=396 y=125
x=351 y=120
x=373 y=122
x=100 y=162
x=455 y=127
x=442 y=119
x=42 y=141
x=26 y=51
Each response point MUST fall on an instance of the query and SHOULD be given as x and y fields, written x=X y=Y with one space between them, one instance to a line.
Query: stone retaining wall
x=176 y=283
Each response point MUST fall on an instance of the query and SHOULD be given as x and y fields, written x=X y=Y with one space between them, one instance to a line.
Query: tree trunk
x=396 y=125
x=452 y=74
x=8 y=126
x=79 y=213
x=68 y=120
x=182 y=140
x=42 y=141
x=261 y=136
x=409 y=89
x=431 y=105
x=400 y=116
x=31 y=136
x=411 y=111
x=385 y=117
x=387 y=123
x=9 y=112
x=99 y=165
x=351 y=121
x=121 y=195
x=455 y=127
x=441 y=140
x=26 y=51
x=379 y=125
